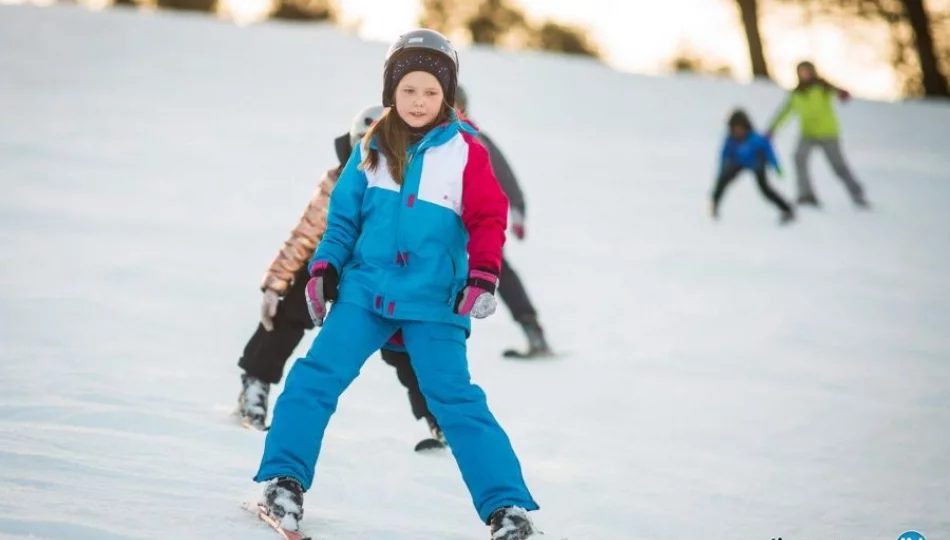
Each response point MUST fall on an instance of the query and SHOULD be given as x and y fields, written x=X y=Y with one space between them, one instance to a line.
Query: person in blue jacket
x=744 y=148
x=413 y=243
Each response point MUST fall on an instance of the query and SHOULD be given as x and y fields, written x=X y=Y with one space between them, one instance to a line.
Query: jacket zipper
x=403 y=200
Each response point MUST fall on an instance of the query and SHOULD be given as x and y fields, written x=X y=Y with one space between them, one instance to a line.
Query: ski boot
x=283 y=501
x=511 y=523
x=786 y=217
x=436 y=441
x=537 y=345
x=435 y=429
x=252 y=403
x=808 y=200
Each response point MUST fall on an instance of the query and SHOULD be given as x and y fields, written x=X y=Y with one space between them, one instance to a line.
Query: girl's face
x=418 y=98
x=806 y=74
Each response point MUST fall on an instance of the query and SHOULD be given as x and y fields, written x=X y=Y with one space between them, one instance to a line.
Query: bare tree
x=749 y=11
x=934 y=80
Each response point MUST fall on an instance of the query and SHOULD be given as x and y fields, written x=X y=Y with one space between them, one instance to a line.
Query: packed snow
x=730 y=379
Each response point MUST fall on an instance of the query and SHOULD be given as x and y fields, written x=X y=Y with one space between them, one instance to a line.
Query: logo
x=911 y=535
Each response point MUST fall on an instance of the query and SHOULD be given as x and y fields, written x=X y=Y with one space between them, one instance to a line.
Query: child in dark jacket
x=744 y=149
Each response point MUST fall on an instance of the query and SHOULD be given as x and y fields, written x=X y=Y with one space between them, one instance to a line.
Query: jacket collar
x=439 y=134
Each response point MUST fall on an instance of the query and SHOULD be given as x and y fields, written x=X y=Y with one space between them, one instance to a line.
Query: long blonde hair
x=394 y=136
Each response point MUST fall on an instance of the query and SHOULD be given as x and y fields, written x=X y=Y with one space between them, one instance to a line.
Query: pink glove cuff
x=317 y=268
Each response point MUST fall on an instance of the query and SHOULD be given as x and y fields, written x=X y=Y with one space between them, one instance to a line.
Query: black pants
x=514 y=295
x=731 y=172
x=266 y=354
x=407 y=377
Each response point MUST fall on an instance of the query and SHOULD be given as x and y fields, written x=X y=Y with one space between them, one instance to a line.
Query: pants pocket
x=447 y=332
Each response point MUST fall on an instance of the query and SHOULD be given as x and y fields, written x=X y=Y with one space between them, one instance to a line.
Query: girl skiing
x=510 y=289
x=746 y=149
x=284 y=316
x=812 y=100
x=413 y=243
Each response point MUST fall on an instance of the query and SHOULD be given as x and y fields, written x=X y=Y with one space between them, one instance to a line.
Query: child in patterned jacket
x=284 y=317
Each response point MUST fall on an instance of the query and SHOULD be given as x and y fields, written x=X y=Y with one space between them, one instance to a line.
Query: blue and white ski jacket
x=404 y=252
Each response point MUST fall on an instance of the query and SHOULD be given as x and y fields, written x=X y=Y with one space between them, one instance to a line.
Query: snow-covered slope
x=724 y=380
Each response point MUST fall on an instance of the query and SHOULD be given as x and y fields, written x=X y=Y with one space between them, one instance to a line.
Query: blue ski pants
x=350 y=335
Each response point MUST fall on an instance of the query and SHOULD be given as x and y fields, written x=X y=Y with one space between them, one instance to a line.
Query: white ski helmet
x=362 y=122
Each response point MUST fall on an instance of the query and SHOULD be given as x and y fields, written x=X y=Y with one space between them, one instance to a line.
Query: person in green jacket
x=813 y=101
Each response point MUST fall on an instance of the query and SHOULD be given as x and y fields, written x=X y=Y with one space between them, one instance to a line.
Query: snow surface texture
x=726 y=380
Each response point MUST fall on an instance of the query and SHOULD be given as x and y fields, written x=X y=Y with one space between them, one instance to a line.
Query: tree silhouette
x=494 y=20
x=551 y=36
x=205 y=6
x=497 y=22
x=437 y=15
x=749 y=12
x=933 y=78
x=303 y=10
x=688 y=60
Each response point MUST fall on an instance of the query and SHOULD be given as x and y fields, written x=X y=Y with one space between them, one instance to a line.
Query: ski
x=261 y=512
x=429 y=444
x=529 y=355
